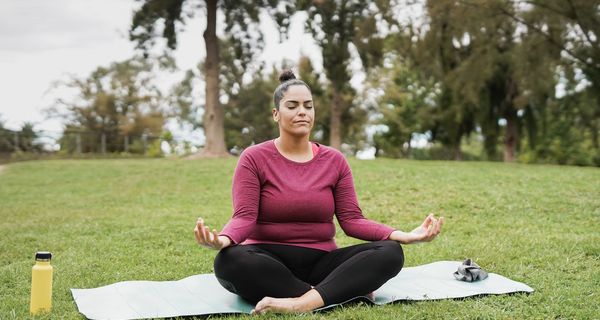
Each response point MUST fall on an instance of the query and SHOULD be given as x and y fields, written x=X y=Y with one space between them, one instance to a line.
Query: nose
x=302 y=110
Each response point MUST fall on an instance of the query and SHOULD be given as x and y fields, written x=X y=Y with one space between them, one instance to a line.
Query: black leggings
x=283 y=271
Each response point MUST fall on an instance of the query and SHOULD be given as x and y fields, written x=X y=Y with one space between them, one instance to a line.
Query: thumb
x=428 y=221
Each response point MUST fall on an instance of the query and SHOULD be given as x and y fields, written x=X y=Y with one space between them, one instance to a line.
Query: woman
x=278 y=249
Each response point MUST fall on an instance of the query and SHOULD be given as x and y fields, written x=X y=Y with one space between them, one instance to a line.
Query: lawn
x=114 y=220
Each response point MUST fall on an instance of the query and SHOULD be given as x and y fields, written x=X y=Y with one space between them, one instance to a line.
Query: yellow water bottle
x=41 y=284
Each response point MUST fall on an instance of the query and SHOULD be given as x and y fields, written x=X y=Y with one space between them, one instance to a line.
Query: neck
x=293 y=145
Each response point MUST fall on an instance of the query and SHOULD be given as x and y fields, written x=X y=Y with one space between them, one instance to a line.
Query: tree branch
x=540 y=31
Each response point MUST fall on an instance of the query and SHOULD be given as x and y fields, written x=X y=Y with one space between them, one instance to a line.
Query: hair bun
x=286 y=75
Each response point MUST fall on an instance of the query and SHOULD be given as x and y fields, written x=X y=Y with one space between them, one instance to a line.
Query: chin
x=300 y=133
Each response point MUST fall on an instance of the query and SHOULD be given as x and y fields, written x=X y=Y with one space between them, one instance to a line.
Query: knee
x=393 y=255
x=227 y=261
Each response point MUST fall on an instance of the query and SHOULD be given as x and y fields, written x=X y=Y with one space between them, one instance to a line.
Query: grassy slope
x=115 y=220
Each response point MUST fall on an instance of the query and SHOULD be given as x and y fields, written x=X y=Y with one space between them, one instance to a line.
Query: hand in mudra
x=208 y=238
x=428 y=230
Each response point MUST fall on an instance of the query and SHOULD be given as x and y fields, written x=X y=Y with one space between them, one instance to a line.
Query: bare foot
x=307 y=302
x=279 y=305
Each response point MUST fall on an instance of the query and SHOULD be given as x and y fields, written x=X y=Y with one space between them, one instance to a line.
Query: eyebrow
x=296 y=101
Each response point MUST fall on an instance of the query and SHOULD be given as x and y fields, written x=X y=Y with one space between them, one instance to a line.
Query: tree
x=404 y=107
x=240 y=25
x=578 y=23
x=551 y=34
x=248 y=112
x=496 y=65
x=337 y=26
x=28 y=138
x=439 y=54
x=6 y=136
x=114 y=102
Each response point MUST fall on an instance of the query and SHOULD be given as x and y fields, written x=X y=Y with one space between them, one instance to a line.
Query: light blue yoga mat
x=203 y=295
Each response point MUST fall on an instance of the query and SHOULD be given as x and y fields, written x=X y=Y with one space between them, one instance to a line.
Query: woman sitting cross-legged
x=278 y=249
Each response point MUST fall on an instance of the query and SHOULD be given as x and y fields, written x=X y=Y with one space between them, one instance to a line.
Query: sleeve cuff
x=233 y=242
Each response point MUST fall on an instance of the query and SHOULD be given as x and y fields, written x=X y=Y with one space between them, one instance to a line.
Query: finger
x=207 y=234
x=438 y=228
x=200 y=227
x=213 y=236
x=217 y=241
x=440 y=225
x=431 y=230
x=432 y=225
x=197 y=234
x=203 y=231
x=200 y=223
x=427 y=221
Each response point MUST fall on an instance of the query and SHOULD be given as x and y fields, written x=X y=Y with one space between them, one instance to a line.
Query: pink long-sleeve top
x=280 y=201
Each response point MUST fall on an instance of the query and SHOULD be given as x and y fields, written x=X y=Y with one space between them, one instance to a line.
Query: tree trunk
x=456 y=154
x=489 y=144
x=595 y=143
x=409 y=146
x=213 y=114
x=335 y=135
x=511 y=134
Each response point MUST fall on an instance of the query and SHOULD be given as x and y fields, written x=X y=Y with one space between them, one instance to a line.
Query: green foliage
x=5 y=145
x=144 y=22
x=117 y=101
x=23 y=140
x=248 y=113
x=167 y=17
x=116 y=220
x=28 y=138
x=405 y=108
x=496 y=62
x=354 y=115
x=154 y=149
x=244 y=40
x=336 y=26
x=181 y=98
x=566 y=138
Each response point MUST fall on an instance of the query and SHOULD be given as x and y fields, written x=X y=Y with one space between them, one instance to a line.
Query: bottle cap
x=43 y=256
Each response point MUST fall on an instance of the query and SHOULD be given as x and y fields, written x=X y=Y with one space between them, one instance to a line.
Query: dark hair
x=287 y=79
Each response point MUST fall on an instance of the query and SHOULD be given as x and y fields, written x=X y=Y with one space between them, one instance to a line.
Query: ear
x=275 y=113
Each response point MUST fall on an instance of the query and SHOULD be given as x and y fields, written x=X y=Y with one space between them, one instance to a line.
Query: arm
x=209 y=239
x=246 y=196
x=426 y=232
x=356 y=225
x=349 y=213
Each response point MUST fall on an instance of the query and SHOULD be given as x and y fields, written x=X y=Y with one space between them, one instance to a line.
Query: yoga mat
x=203 y=295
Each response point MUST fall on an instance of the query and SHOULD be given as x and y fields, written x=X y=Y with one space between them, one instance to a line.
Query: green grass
x=114 y=220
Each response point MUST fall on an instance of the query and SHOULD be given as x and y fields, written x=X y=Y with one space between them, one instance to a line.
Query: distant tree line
x=502 y=80
x=24 y=140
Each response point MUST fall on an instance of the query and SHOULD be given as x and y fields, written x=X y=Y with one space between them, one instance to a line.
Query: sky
x=44 y=41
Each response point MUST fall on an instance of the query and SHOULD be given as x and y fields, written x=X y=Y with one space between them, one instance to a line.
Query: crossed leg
x=270 y=279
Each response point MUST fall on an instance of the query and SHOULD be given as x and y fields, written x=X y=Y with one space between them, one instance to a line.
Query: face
x=296 y=113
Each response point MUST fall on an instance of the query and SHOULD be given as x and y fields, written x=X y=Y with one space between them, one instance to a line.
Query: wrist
x=401 y=236
x=225 y=241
